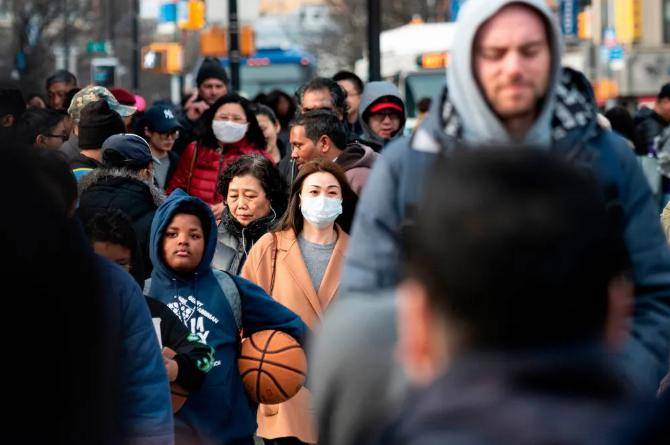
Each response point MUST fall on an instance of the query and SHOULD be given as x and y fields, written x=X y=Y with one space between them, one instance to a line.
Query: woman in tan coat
x=299 y=265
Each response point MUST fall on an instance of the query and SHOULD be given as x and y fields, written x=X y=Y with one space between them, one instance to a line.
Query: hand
x=193 y=108
x=217 y=209
x=171 y=366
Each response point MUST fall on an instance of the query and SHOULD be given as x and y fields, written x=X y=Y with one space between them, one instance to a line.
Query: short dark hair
x=664 y=93
x=622 y=122
x=36 y=121
x=351 y=77
x=254 y=133
x=61 y=76
x=11 y=102
x=337 y=93
x=268 y=175
x=267 y=112
x=516 y=246
x=318 y=123
x=293 y=218
x=197 y=210
x=112 y=226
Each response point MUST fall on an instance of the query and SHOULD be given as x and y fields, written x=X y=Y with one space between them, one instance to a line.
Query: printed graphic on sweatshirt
x=185 y=309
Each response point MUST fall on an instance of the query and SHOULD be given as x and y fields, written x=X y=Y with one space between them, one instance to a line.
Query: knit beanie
x=97 y=123
x=211 y=69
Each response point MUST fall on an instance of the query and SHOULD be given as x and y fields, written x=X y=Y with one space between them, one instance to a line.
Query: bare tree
x=37 y=27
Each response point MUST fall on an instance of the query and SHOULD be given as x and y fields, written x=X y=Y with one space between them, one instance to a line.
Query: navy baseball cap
x=161 y=118
x=126 y=151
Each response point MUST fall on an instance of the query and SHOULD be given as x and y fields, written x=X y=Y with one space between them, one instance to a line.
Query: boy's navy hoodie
x=219 y=412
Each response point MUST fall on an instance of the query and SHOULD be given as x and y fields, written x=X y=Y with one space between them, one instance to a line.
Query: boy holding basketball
x=183 y=240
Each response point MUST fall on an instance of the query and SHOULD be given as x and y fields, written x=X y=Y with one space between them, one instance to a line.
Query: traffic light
x=214 y=42
x=584 y=28
x=247 y=40
x=166 y=58
x=191 y=15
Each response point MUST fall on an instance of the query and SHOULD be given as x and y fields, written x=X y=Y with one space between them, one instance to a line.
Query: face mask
x=321 y=211
x=229 y=132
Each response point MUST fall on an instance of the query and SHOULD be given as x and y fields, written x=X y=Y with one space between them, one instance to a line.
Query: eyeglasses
x=382 y=115
x=62 y=137
x=174 y=134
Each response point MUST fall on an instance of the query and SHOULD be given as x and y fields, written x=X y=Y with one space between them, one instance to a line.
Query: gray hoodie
x=480 y=124
x=372 y=93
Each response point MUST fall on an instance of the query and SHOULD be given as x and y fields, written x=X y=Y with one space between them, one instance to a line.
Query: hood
x=163 y=216
x=480 y=123
x=372 y=93
x=356 y=156
x=572 y=119
x=101 y=174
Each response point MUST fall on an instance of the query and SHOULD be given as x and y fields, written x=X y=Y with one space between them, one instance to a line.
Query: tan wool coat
x=293 y=288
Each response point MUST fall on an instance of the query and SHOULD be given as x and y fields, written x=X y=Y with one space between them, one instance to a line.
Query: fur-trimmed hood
x=104 y=174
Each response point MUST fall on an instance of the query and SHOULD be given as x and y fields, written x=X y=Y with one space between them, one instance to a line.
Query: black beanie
x=97 y=123
x=211 y=69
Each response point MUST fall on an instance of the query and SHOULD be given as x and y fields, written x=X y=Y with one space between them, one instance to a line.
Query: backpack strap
x=232 y=294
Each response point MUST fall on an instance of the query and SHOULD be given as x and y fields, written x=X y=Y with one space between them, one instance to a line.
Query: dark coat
x=511 y=399
x=106 y=189
x=647 y=130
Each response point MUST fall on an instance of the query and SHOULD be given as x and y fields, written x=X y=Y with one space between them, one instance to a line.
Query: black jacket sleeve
x=194 y=358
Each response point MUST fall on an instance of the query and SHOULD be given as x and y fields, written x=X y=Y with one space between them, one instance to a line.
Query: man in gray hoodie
x=381 y=114
x=505 y=85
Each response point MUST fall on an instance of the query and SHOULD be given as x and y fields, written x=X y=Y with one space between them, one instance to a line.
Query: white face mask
x=229 y=132
x=320 y=210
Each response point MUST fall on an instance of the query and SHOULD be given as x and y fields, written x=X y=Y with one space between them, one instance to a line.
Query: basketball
x=272 y=366
x=179 y=396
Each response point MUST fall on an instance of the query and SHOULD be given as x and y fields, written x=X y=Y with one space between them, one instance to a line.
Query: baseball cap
x=126 y=150
x=161 y=118
x=92 y=94
x=376 y=108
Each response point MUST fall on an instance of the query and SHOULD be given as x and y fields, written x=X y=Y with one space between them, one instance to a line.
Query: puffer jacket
x=234 y=241
x=200 y=167
x=106 y=189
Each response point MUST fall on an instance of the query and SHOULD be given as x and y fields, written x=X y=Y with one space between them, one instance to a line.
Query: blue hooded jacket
x=219 y=412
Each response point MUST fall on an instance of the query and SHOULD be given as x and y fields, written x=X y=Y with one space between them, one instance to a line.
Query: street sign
x=568 y=14
x=94 y=46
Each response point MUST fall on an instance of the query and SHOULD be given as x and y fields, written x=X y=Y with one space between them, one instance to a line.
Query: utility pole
x=136 y=44
x=234 y=51
x=66 y=40
x=374 y=29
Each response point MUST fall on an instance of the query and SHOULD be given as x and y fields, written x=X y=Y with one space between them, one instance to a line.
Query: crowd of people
x=497 y=274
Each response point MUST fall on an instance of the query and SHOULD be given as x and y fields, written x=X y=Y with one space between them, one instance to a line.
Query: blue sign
x=568 y=14
x=455 y=8
x=168 y=13
x=616 y=53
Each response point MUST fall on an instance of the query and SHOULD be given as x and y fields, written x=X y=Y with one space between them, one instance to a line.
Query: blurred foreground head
x=511 y=252
x=59 y=372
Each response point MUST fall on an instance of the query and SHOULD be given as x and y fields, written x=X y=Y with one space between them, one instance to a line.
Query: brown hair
x=293 y=218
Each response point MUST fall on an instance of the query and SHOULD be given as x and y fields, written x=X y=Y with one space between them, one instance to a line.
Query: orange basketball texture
x=272 y=366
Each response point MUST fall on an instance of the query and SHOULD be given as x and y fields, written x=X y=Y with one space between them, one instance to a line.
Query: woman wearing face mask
x=255 y=199
x=230 y=130
x=299 y=265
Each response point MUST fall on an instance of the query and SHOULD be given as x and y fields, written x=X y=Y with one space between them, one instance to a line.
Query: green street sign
x=96 y=46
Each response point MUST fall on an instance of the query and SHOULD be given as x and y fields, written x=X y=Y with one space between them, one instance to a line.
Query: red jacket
x=210 y=163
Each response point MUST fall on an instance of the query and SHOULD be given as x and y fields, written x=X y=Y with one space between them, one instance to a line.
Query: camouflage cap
x=95 y=93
